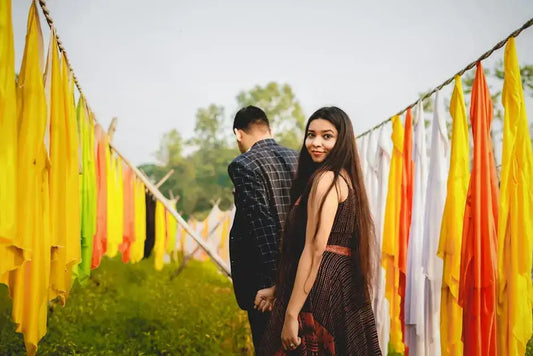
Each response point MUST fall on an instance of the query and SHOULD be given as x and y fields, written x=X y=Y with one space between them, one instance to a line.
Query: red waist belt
x=339 y=250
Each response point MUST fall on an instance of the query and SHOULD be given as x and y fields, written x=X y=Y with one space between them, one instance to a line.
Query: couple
x=300 y=245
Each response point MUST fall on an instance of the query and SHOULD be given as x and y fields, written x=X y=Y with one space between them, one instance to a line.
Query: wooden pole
x=158 y=195
x=112 y=128
x=164 y=179
x=191 y=255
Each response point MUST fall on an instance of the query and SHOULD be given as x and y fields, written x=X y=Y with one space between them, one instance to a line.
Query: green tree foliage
x=282 y=108
x=212 y=158
x=200 y=163
x=209 y=130
x=200 y=178
x=170 y=149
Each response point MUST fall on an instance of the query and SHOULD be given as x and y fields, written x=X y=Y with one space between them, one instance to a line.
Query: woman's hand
x=289 y=335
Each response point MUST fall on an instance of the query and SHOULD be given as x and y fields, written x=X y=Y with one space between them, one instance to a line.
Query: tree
x=282 y=108
x=212 y=158
x=209 y=129
x=201 y=177
x=170 y=149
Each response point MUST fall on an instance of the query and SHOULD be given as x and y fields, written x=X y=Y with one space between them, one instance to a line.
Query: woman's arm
x=314 y=247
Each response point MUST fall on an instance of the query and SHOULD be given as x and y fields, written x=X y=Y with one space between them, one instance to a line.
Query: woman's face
x=320 y=139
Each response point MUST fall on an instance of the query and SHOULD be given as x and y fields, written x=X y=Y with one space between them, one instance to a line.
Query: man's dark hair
x=249 y=116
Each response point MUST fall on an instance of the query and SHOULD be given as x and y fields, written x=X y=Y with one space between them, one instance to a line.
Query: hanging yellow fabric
x=515 y=221
x=172 y=227
x=201 y=254
x=10 y=256
x=74 y=170
x=137 y=249
x=30 y=282
x=160 y=235
x=451 y=229
x=115 y=206
x=183 y=237
x=64 y=178
x=112 y=244
x=390 y=253
x=58 y=170
x=223 y=249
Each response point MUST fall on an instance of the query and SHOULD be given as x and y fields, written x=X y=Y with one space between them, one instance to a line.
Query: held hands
x=264 y=299
x=289 y=335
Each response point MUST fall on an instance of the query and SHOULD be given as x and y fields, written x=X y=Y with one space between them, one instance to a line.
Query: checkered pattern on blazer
x=262 y=178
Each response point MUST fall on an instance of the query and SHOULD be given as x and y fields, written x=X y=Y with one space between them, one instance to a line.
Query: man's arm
x=251 y=198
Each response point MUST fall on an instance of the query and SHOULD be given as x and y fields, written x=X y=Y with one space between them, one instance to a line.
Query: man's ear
x=238 y=134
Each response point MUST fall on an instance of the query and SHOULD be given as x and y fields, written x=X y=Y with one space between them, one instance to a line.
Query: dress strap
x=349 y=184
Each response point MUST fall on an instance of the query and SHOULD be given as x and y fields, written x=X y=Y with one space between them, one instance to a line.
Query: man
x=262 y=176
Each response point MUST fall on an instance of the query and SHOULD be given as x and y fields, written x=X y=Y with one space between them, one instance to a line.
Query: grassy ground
x=134 y=310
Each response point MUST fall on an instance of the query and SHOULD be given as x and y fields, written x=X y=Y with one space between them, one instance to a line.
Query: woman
x=322 y=302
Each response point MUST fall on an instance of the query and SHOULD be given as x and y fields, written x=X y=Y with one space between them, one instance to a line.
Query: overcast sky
x=154 y=63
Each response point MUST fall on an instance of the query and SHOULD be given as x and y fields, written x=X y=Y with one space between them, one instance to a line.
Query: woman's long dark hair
x=343 y=157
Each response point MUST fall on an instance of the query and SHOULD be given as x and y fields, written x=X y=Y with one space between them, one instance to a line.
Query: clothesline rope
x=153 y=190
x=471 y=65
x=50 y=22
x=460 y=73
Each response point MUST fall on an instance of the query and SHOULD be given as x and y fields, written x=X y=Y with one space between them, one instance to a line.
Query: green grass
x=134 y=310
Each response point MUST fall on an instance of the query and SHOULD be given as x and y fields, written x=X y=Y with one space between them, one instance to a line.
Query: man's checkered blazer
x=262 y=177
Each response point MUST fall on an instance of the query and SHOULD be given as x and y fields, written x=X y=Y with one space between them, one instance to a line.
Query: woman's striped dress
x=337 y=317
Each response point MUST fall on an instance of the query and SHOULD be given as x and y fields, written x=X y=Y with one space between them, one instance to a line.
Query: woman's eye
x=309 y=134
x=327 y=136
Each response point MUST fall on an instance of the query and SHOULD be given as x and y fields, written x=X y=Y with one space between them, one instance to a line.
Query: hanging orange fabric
x=129 y=215
x=477 y=289
x=405 y=212
x=100 y=238
x=391 y=228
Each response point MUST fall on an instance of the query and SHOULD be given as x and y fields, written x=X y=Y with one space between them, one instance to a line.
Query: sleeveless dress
x=337 y=318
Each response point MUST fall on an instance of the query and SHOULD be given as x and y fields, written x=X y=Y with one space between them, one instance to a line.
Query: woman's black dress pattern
x=337 y=318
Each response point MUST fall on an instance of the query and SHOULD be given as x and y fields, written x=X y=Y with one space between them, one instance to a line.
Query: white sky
x=154 y=63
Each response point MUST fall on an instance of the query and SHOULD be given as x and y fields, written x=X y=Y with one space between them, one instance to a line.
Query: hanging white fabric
x=414 y=294
x=435 y=199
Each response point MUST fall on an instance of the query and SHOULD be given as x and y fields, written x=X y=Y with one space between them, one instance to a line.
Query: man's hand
x=264 y=299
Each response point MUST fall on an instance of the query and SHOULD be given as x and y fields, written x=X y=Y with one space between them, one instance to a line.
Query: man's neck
x=260 y=138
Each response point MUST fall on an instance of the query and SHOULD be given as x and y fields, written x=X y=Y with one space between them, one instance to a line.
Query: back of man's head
x=250 y=117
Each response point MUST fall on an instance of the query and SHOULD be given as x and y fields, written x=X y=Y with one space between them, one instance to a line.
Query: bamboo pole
x=158 y=195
